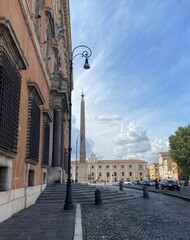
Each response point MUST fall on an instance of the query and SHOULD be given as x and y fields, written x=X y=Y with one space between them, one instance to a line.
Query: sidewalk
x=40 y=222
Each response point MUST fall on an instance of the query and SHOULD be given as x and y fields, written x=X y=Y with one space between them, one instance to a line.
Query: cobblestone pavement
x=39 y=222
x=159 y=217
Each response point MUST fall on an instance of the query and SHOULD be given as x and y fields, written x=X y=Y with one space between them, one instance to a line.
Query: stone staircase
x=83 y=194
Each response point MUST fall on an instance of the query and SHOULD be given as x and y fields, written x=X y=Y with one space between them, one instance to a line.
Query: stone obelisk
x=83 y=169
x=82 y=132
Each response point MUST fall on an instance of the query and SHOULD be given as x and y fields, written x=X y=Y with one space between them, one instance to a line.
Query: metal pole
x=86 y=54
x=68 y=201
x=76 y=178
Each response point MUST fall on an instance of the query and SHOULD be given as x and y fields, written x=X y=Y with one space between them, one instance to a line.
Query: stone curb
x=166 y=193
x=78 y=224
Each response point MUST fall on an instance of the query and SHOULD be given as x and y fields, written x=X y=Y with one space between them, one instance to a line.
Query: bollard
x=98 y=197
x=145 y=191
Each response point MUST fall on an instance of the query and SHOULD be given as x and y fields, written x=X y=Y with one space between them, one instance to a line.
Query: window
x=130 y=173
x=100 y=166
x=92 y=173
x=92 y=166
x=31 y=175
x=44 y=177
x=122 y=166
x=108 y=174
x=33 y=131
x=100 y=174
x=123 y=174
x=140 y=173
x=46 y=135
x=10 y=85
x=107 y=166
x=140 y=166
x=12 y=61
x=115 y=174
x=130 y=166
x=114 y=166
x=3 y=178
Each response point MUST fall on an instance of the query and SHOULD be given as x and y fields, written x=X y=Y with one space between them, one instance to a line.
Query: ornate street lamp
x=86 y=54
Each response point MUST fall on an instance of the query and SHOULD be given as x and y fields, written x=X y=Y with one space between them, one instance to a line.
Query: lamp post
x=86 y=53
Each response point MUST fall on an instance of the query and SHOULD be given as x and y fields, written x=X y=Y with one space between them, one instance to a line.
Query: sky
x=137 y=91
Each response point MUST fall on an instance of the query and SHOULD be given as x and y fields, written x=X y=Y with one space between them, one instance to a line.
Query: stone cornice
x=34 y=89
x=68 y=26
x=7 y=153
x=47 y=115
x=8 y=40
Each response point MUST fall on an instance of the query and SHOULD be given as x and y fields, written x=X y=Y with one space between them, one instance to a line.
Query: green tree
x=179 y=150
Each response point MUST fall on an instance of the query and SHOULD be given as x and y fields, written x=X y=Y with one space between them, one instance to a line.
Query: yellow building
x=35 y=49
x=109 y=170
x=154 y=171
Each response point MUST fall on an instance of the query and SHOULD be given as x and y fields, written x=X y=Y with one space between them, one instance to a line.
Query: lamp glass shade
x=86 y=64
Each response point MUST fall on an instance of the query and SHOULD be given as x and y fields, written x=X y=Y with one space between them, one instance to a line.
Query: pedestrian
x=156 y=183
x=121 y=184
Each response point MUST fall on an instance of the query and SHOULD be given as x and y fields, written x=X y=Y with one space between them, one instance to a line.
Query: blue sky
x=137 y=91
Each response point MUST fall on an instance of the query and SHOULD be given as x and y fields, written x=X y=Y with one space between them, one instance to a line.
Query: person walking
x=121 y=182
x=156 y=183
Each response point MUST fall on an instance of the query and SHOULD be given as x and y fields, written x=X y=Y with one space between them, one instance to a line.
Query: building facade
x=154 y=171
x=110 y=171
x=168 y=169
x=175 y=174
x=35 y=53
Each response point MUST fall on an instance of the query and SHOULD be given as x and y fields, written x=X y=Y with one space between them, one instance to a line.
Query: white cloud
x=108 y=118
x=133 y=143
x=134 y=134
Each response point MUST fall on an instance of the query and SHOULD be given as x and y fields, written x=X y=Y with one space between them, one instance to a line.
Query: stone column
x=57 y=139
x=62 y=145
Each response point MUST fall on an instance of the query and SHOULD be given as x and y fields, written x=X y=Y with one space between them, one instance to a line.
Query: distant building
x=168 y=169
x=154 y=171
x=110 y=170
x=175 y=174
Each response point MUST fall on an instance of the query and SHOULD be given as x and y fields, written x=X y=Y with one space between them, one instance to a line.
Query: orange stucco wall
x=12 y=10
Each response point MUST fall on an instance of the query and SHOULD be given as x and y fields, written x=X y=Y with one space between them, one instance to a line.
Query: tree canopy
x=179 y=150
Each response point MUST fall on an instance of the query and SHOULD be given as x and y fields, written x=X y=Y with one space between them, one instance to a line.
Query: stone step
x=81 y=193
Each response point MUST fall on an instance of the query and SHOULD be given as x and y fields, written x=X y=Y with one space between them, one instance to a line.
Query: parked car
x=152 y=183
x=170 y=185
x=127 y=182
x=183 y=183
x=146 y=183
x=137 y=182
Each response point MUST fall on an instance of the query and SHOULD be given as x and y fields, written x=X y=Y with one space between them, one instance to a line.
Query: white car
x=127 y=182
